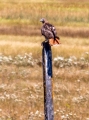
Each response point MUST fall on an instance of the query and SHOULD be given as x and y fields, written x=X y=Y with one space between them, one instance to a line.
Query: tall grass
x=71 y=19
x=13 y=45
x=58 y=13
x=21 y=93
x=21 y=85
x=45 y=9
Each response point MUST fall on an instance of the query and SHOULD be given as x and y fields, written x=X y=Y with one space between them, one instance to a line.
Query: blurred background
x=21 y=75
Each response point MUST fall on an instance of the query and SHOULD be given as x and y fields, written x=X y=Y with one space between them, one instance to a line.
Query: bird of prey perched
x=49 y=32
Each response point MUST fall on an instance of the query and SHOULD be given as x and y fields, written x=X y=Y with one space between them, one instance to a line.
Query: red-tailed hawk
x=49 y=31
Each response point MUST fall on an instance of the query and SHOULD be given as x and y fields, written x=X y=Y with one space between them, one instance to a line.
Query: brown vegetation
x=21 y=85
x=82 y=32
x=20 y=19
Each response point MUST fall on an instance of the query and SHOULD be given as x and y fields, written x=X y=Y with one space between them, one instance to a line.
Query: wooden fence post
x=47 y=81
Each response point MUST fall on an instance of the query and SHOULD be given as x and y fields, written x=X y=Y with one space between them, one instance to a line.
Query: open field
x=21 y=79
x=14 y=45
x=21 y=85
x=21 y=92
x=70 y=19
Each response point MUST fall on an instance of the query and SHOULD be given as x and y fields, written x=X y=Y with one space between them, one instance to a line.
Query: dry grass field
x=21 y=79
x=70 y=19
